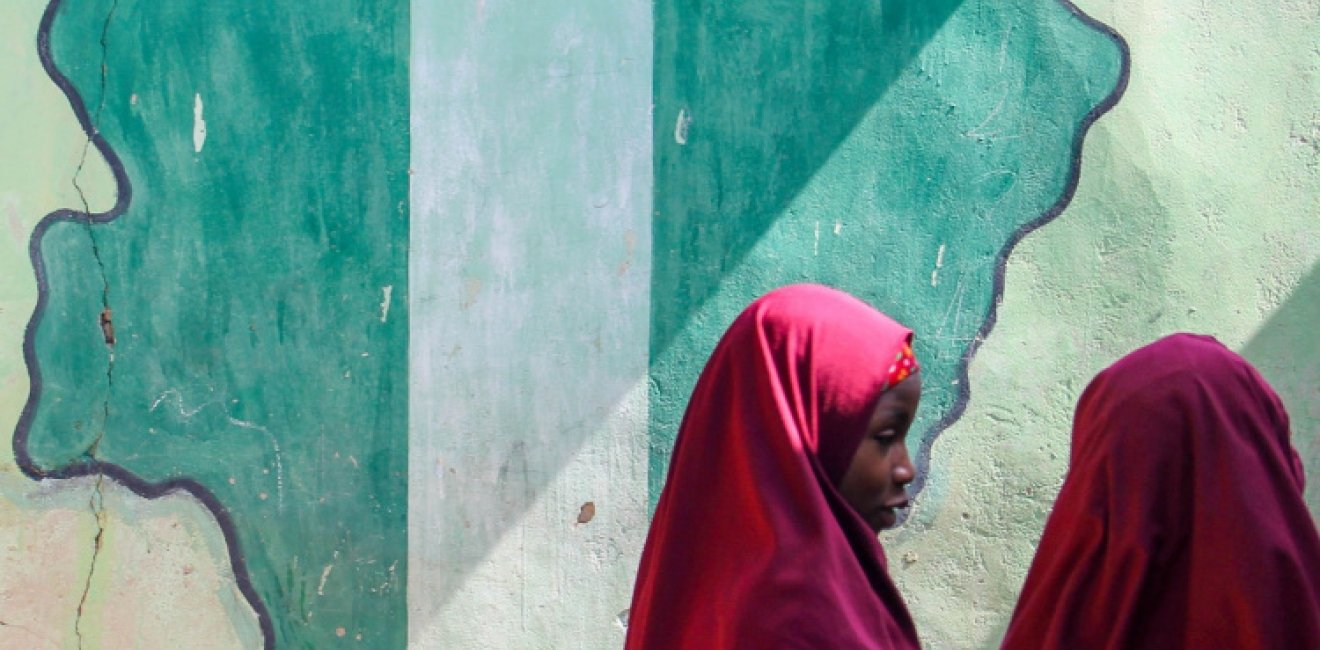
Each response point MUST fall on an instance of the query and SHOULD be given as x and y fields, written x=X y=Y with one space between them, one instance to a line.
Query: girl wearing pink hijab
x=790 y=458
x=1181 y=523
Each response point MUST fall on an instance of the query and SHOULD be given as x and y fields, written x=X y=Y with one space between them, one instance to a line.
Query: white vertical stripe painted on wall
x=528 y=298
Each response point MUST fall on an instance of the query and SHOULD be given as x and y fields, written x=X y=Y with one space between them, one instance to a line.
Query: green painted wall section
x=257 y=283
x=890 y=149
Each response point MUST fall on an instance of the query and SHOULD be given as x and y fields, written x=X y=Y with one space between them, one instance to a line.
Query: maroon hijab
x=752 y=545
x=1181 y=523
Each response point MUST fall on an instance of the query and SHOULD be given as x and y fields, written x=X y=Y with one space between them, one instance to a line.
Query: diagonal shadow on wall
x=529 y=227
x=545 y=358
x=1286 y=350
x=757 y=96
x=751 y=100
x=751 y=104
x=895 y=150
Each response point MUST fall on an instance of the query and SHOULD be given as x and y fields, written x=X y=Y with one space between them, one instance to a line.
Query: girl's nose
x=904 y=472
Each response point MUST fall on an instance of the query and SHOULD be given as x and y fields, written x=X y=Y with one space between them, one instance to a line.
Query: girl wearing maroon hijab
x=790 y=457
x=1181 y=523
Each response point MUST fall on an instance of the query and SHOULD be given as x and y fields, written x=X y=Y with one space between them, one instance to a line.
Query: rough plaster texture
x=530 y=264
x=161 y=578
x=1196 y=211
x=160 y=581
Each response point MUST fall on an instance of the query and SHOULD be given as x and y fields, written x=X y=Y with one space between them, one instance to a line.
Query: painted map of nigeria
x=230 y=328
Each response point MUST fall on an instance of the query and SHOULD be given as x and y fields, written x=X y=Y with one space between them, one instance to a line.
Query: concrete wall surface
x=371 y=323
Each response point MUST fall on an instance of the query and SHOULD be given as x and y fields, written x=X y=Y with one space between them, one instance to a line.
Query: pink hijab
x=752 y=545
x=1181 y=524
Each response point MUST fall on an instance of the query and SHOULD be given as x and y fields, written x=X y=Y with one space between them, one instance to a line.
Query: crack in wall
x=87 y=145
x=86 y=464
x=96 y=502
x=97 y=505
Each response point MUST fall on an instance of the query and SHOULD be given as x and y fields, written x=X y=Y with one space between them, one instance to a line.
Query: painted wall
x=530 y=264
x=220 y=327
x=1197 y=210
x=407 y=297
x=895 y=150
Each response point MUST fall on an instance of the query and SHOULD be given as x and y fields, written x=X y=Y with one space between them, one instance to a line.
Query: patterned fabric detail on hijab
x=905 y=363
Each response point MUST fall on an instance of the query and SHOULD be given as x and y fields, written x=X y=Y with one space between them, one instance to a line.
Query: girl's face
x=880 y=468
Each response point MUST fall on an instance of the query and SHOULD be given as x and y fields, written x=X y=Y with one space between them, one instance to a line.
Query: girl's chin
x=884 y=518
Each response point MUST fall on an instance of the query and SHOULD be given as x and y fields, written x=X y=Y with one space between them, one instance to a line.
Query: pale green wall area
x=1197 y=211
x=41 y=147
x=530 y=263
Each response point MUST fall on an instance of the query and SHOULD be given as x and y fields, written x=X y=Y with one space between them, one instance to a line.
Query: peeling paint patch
x=199 y=124
x=325 y=575
x=108 y=326
x=587 y=512
x=387 y=293
x=939 y=264
x=681 y=126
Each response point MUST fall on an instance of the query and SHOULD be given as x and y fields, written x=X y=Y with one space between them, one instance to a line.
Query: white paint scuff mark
x=275 y=445
x=939 y=264
x=978 y=131
x=681 y=126
x=838 y=227
x=325 y=574
x=199 y=124
x=387 y=294
x=187 y=413
x=184 y=413
x=815 y=248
